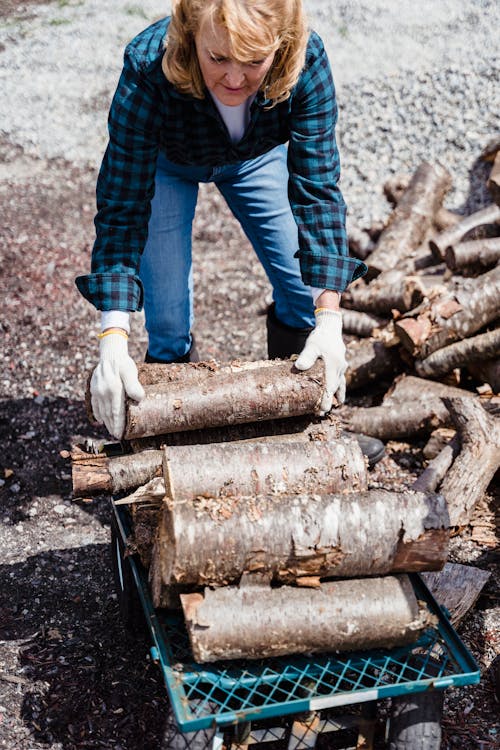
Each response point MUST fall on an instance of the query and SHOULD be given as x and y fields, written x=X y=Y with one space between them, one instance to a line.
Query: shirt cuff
x=115 y=319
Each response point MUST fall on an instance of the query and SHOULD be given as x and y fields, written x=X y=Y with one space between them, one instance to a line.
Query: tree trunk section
x=249 y=395
x=413 y=407
x=481 y=347
x=476 y=464
x=361 y=324
x=456 y=587
x=435 y=471
x=215 y=541
x=411 y=218
x=488 y=215
x=479 y=254
x=100 y=474
x=392 y=290
x=227 y=470
x=452 y=316
x=339 y=616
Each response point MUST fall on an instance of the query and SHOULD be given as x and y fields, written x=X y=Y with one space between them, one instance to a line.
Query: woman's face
x=230 y=81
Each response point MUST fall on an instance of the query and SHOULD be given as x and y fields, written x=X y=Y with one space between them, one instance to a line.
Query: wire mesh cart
x=293 y=701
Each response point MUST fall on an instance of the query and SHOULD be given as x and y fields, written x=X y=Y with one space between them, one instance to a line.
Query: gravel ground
x=413 y=82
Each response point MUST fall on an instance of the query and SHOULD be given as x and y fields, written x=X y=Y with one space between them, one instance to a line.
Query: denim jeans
x=256 y=193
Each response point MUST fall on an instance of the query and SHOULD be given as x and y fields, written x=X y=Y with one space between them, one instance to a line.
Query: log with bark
x=474 y=349
x=100 y=474
x=467 y=307
x=392 y=290
x=412 y=407
x=453 y=235
x=338 y=616
x=265 y=391
x=411 y=218
x=361 y=324
x=473 y=469
x=369 y=360
x=215 y=541
x=475 y=254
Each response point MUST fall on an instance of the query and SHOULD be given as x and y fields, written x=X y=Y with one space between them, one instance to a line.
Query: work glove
x=325 y=341
x=114 y=377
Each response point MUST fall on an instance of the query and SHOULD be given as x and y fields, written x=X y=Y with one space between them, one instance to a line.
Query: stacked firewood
x=255 y=515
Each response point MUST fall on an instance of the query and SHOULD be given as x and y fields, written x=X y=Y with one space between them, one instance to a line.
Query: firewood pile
x=247 y=507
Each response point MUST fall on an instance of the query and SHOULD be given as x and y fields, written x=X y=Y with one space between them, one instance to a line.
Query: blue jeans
x=256 y=193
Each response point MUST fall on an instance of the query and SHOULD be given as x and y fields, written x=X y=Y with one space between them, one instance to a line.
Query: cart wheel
x=174 y=739
x=129 y=602
x=415 y=721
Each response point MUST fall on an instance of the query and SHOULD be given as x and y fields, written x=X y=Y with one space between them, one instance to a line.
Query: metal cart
x=292 y=701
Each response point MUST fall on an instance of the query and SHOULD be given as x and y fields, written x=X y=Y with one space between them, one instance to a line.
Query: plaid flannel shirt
x=148 y=114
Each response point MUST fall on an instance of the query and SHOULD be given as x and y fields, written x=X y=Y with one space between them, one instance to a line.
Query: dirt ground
x=70 y=677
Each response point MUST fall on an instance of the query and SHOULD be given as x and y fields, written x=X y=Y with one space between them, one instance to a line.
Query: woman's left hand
x=326 y=341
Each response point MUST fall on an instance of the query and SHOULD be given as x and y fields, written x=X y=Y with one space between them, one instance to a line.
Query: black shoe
x=283 y=340
x=190 y=356
x=371 y=447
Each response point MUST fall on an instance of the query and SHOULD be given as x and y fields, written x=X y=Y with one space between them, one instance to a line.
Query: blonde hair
x=256 y=28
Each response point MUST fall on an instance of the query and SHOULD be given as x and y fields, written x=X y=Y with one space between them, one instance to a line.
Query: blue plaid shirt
x=148 y=114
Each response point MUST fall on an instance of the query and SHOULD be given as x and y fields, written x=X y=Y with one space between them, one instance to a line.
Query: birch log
x=452 y=316
x=339 y=616
x=392 y=290
x=249 y=395
x=360 y=323
x=477 y=348
x=476 y=464
x=99 y=474
x=370 y=360
x=475 y=253
x=439 y=243
x=226 y=470
x=215 y=541
x=411 y=218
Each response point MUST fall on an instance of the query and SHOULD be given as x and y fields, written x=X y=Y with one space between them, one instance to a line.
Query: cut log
x=339 y=616
x=411 y=218
x=487 y=372
x=369 y=360
x=412 y=407
x=215 y=541
x=457 y=314
x=479 y=254
x=100 y=474
x=476 y=464
x=392 y=290
x=476 y=348
x=456 y=587
x=434 y=473
x=445 y=219
x=248 y=395
x=232 y=470
x=361 y=324
x=494 y=180
x=488 y=215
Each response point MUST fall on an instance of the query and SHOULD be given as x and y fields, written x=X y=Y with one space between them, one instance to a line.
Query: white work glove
x=325 y=341
x=114 y=376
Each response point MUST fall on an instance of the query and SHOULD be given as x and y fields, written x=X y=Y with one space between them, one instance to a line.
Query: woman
x=213 y=94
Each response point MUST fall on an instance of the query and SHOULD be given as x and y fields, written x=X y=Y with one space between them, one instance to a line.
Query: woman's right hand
x=114 y=377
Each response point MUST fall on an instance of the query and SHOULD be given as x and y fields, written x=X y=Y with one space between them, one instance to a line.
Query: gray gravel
x=415 y=81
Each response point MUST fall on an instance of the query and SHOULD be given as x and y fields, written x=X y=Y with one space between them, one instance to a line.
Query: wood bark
x=435 y=471
x=476 y=348
x=487 y=372
x=370 y=360
x=494 y=180
x=411 y=218
x=457 y=314
x=439 y=243
x=456 y=587
x=247 y=395
x=476 y=464
x=475 y=253
x=360 y=323
x=293 y=536
x=100 y=474
x=392 y=290
x=412 y=407
x=229 y=470
x=339 y=616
